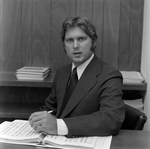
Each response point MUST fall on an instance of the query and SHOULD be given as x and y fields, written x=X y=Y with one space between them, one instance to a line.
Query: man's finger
x=36 y=114
x=36 y=124
x=38 y=129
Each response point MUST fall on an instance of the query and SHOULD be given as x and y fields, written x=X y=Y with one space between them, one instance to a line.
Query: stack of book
x=32 y=73
x=136 y=103
x=132 y=77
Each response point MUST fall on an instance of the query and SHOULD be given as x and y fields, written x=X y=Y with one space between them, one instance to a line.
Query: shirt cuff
x=62 y=128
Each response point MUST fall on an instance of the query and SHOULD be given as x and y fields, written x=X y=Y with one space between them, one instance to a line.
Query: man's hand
x=43 y=122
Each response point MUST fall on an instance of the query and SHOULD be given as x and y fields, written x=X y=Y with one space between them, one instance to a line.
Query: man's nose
x=75 y=44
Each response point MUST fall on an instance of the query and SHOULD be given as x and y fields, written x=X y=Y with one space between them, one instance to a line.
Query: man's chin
x=77 y=61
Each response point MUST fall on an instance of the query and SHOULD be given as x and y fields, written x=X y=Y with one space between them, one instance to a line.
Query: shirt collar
x=81 y=68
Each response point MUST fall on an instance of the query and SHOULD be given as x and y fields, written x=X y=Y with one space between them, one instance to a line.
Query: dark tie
x=70 y=87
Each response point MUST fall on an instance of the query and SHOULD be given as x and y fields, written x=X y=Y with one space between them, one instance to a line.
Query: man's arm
x=43 y=122
x=108 y=119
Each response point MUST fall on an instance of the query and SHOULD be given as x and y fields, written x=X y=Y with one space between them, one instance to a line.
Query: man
x=95 y=108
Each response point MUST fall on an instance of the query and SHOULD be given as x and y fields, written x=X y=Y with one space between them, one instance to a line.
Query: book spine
x=41 y=139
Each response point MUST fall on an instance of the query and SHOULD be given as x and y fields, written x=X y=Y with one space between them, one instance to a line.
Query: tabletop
x=126 y=139
x=131 y=139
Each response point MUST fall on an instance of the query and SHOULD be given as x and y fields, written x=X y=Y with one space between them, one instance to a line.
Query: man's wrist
x=62 y=128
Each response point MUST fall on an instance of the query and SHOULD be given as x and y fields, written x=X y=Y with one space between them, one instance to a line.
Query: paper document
x=132 y=77
x=136 y=103
x=32 y=69
x=20 y=132
x=32 y=73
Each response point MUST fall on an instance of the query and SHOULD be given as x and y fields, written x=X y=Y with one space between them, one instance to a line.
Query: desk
x=126 y=139
x=131 y=139
x=9 y=79
x=24 y=94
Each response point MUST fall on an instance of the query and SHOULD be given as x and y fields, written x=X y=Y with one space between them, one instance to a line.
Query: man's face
x=78 y=45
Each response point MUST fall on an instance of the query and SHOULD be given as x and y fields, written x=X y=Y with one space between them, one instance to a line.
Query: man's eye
x=69 y=40
x=81 y=39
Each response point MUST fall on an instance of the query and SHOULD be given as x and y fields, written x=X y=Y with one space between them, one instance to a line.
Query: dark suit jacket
x=96 y=106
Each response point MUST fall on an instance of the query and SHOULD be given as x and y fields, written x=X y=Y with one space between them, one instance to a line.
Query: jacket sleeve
x=50 y=102
x=108 y=118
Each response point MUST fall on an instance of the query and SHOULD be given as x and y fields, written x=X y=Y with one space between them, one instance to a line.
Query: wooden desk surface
x=131 y=139
x=9 y=79
x=126 y=139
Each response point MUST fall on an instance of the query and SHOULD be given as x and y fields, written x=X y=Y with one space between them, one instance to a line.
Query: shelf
x=17 y=110
x=23 y=111
x=140 y=87
x=9 y=79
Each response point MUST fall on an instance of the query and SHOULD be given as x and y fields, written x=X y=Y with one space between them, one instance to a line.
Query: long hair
x=84 y=24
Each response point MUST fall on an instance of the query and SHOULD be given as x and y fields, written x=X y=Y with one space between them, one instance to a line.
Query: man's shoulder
x=103 y=65
x=107 y=68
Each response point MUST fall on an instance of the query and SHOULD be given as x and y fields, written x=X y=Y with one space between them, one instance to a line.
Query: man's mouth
x=77 y=54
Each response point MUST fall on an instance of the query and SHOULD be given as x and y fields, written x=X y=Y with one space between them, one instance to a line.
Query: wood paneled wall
x=30 y=31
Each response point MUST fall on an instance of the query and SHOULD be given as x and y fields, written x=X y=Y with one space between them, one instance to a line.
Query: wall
x=30 y=35
x=145 y=65
x=30 y=31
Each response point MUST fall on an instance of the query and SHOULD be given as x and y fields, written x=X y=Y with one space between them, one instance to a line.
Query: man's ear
x=64 y=47
x=94 y=45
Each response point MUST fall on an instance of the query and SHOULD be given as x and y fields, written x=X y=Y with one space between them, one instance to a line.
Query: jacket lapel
x=63 y=80
x=87 y=81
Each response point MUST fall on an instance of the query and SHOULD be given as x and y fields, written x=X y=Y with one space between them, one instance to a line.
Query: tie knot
x=74 y=70
x=74 y=74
